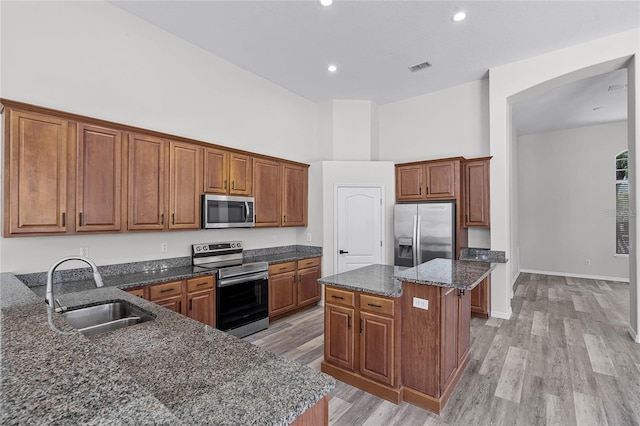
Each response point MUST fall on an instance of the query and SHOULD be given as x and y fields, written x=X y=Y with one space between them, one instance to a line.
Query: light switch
x=420 y=303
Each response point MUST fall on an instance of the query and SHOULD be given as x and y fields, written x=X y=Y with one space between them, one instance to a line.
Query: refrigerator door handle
x=418 y=243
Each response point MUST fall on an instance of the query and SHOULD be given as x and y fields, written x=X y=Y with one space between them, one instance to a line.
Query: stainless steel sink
x=106 y=317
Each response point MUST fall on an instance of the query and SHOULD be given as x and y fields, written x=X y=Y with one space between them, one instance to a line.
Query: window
x=622 y=203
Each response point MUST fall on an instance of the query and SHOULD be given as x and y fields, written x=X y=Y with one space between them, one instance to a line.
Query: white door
x=359 y=224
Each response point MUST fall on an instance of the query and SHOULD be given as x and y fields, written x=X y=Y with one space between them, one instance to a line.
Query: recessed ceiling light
x=459 y=16
x=326 y=2
x=332 y=68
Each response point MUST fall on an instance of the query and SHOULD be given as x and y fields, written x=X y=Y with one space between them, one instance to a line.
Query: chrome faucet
x=49 y=297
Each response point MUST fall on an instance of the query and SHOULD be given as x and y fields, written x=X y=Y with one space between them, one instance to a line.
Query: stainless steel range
x=242 y=301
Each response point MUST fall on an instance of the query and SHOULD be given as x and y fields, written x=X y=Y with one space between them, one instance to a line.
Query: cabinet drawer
x=308 y=263
x=377 y=305
x=139 y=291
x=339 y=297
x=162 y=291
x=200 y=283
x=279 y=268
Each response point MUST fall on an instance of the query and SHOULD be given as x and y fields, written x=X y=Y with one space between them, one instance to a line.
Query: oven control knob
x=198 y=248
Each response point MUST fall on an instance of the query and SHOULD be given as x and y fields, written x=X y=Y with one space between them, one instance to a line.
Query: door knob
x=343 y=252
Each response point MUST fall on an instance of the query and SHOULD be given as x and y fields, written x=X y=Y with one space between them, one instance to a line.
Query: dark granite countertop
x=171 y=370
x=483 y=255
x=460 y=274
x=137 y=274
x=387 y=280
x=376 y=279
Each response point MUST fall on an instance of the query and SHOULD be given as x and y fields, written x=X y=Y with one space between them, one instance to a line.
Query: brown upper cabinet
x=476 y=192
x=66 y=174
x=185 y=185
x=280 y=192
x=147 y=182
x=227 y=172
x=35 y=173
x=99 y=179
x=428 y=180
x=294 y=195
x=267 y=192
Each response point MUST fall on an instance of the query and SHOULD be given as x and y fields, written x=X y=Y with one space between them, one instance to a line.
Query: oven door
x=241 y=301
x=221 y=211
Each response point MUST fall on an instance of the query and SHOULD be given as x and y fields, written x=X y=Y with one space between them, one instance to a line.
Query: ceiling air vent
x=617 y=87
x=419 y=67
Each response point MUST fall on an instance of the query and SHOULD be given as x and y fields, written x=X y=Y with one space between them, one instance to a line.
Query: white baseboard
x=568 y=274
x=501 y=315
x=634 y=335
x=513 y=282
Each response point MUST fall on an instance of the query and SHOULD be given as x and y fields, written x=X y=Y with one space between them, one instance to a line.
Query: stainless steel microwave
x=223 y=211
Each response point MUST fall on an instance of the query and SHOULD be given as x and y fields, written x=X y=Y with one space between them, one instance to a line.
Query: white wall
x=94 y=59
x=448 y=123
x=351 y=172
x=567 y=201
x=511 y=81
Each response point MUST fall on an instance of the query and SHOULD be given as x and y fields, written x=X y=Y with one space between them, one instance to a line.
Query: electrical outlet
x=164 y=247
x=587 y=261
x=308 y=237
x=84 y=251
x=420 y=303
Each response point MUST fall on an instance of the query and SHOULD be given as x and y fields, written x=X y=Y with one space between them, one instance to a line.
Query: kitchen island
x=171 y=370
x=401 y=333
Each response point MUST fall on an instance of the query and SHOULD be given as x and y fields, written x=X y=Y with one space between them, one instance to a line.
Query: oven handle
x=243 y=279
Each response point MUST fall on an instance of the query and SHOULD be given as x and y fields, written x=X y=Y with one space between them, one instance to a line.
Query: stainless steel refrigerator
x=424 y=231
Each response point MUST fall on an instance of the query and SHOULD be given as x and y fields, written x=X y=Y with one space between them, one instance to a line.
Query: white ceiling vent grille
x=419 y=67
x=617 y=87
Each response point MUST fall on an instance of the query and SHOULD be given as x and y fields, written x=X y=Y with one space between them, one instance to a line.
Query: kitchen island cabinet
x=421 y=315
x=122 y=376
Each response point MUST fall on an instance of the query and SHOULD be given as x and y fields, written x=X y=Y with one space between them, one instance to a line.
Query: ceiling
x=373 y=43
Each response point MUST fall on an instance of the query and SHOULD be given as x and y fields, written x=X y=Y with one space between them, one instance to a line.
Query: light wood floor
x=564 y=358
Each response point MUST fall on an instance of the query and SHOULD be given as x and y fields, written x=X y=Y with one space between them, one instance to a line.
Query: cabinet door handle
x=191 y=304
x=420 y=190
x=337 y=297
x=225 y=184
x=162 y=219
x=360 y=325
x=427 y=190
x=173 y=218
x=80 y=219
x=284 y=218
x=374 y=305
x=343 y=252
x=233 y=184
x=348 y=322
x=180 y=306
x=64 y=219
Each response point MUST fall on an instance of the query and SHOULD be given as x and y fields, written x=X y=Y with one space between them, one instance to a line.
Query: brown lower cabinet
x=194 y=297
x=361 y=341
x=366 y=337
x=481 y=299
x=293 y=286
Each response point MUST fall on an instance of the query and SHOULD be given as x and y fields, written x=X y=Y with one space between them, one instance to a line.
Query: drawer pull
x=284 y=268
x=167 y=290
x=337 y=297
x=201 y=284
x=374 y=305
